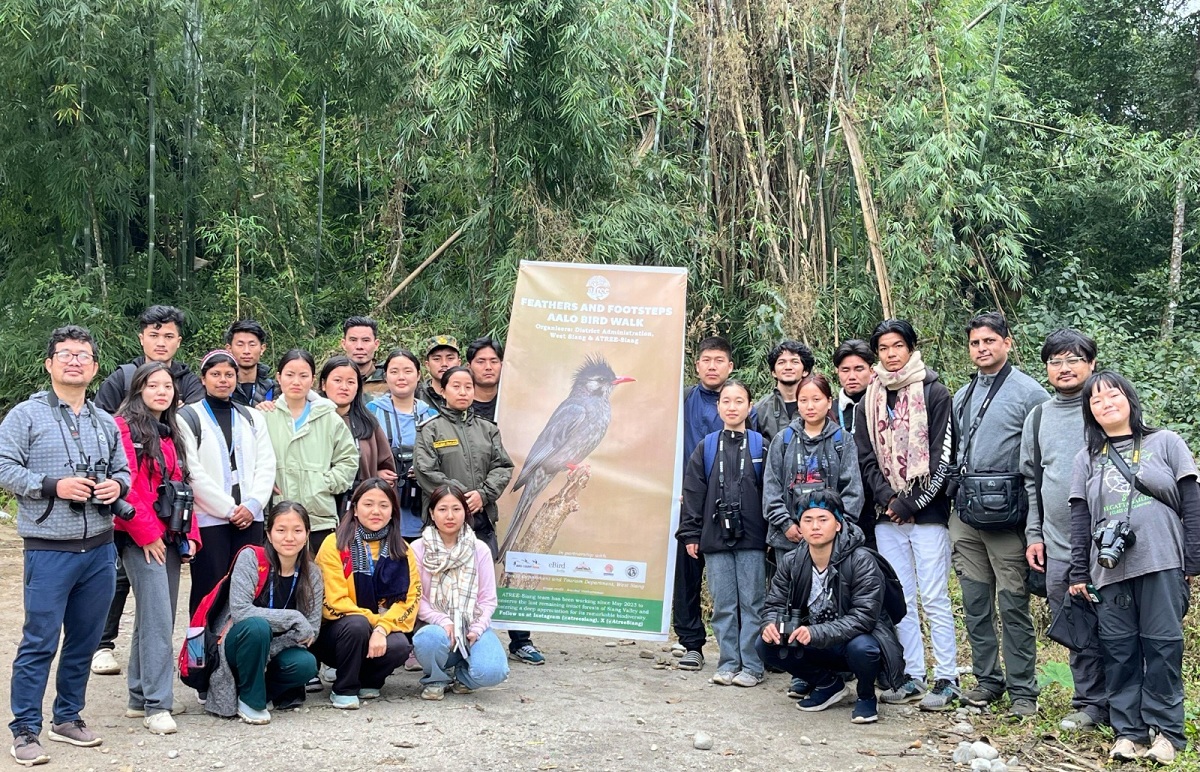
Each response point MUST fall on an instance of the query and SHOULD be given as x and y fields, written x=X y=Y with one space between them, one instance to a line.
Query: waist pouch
x=991 y=502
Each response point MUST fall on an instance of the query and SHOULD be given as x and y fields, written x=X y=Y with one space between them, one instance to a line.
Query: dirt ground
x=595 y=705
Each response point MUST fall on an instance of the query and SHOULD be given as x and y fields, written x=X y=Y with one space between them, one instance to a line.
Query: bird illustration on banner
x=573 y=431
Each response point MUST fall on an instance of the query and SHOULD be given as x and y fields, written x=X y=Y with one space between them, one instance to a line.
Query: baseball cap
x=440 y=341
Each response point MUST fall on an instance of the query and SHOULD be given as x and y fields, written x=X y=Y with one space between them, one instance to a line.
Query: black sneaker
x=799 y=688
x=693 y=659
x=865 y=712
x=823 y=697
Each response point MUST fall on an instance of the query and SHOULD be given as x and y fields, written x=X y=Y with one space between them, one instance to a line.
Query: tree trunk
x=152 y=136
x=870 y=219
x=1176 y=269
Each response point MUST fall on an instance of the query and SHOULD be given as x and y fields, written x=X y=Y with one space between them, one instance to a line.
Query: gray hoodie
x=1060 y=437
x=36 y=451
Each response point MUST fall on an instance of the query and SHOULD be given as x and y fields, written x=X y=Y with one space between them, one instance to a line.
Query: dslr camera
x=729 y=517
x=175 y=505
x=1112 y=538
x=98 y=472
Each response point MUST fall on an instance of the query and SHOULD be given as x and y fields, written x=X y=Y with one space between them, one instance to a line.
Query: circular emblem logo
x=598 y=288
x=631 y=572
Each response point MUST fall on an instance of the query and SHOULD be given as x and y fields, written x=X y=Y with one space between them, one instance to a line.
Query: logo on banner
x=598 y=288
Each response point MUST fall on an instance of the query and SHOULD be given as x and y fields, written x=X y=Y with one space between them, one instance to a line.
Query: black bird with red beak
x=574 y=430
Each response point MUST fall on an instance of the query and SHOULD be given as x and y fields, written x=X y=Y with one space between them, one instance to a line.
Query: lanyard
x=271 y=595
x=721 y=466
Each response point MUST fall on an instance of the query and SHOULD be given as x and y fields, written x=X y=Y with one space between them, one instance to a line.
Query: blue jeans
x=67 y=593
x=861 y=655
x=487 y=666
x=737 y=582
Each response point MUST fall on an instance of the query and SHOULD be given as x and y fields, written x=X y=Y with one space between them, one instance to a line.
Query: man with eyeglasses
x=1052 y=437
x=53 y=447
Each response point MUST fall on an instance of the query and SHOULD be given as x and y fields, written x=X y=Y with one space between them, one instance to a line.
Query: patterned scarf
x=360 y=553
x=453 y=584
x=900 y=435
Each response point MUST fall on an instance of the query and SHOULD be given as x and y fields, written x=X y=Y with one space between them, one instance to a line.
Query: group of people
x=829 y=523
x=340 y=524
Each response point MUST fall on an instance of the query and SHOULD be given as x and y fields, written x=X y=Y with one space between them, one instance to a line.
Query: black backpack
x=893 y=592
x=189 y=416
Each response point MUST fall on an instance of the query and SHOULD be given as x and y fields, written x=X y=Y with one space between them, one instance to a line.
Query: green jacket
x=464 y=449
x=315 y=463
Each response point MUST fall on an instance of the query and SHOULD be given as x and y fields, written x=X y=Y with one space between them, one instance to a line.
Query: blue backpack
x=754 y=442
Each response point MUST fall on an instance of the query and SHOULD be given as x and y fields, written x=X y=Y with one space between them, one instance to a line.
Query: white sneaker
x=1126 y=750
x=104 y=663
x=1161 y=751
x=723 y=677
x=329 y=674
x=160 y=723
x=252 y=716
x=178 y=708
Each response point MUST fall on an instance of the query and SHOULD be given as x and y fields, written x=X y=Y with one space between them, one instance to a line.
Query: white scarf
x=453 y=583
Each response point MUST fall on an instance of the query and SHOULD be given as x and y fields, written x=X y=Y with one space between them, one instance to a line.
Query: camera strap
x=721 y=467
x=1129 y=472
x=63 y=415
x=987 y=402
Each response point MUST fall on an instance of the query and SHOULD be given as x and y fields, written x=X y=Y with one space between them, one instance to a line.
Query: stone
x=964 y=728
x=677 y=653
x=984 y=751
x=963 y=754
x=653 y=748
x=981 y=765
x=646 y=654
x=999 y=766
x=172 y=754
x=610 y=645
x=805 y=741
x=701 y=741
x=308 y=745
x=1013 y=762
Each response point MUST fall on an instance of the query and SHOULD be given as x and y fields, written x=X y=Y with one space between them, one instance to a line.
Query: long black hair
x=362 y=423
x=345 y=529
x=305 y=565
x=1092 y=431
x=147 y=431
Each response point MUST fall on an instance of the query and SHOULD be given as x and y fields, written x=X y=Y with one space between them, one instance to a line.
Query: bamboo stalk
x=866 y=201
x=417 y=271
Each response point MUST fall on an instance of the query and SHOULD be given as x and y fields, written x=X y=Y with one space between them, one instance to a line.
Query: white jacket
x=212 y=478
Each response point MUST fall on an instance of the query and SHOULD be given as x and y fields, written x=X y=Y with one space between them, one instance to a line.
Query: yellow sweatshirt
x=340 y=595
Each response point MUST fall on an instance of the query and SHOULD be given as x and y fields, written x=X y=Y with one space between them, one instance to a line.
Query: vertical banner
x=591 y=412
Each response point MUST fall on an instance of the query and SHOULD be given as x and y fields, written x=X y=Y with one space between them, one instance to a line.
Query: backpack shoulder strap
x=710 y=452
x=243 y=411
x=1037 y=456
x=787 y=434
x=264 y=568
x=189 y=416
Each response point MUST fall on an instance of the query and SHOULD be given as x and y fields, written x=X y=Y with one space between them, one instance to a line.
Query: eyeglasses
x=82 y=357
x=1058 y=364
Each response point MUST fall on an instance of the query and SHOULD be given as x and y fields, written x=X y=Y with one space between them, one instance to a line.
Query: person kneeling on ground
x=824 y=614
x=456 y=647
x=265 y=655
x=371 y=593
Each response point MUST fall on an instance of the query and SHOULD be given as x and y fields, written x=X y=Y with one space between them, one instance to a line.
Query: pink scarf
x=901 y=435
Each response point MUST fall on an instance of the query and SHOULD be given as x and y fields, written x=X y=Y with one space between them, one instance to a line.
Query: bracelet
x=379 y=629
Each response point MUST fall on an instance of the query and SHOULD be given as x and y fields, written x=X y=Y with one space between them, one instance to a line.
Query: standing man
x=1052 y=437
x=852 y=361
x=988 y=536
x=47 y=445
x=789 y=362
x=904 y=433
x=441 y=353
x=485 y=358
x=247 y=341
x=360 y=341
x=161 y=336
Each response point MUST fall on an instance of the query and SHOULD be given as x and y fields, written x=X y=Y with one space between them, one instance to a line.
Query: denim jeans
x=737 y=583
x=861 y=655
x=67 y=593
x=487 y=665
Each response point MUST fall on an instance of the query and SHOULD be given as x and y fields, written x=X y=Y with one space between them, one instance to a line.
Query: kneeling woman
x=456 y=647
x=265 y=657
x=371 y=592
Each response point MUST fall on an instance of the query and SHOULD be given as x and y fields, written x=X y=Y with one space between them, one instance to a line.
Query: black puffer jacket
x=858 y=594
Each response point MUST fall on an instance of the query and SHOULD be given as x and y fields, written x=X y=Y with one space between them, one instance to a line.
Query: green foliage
x=1056 y=673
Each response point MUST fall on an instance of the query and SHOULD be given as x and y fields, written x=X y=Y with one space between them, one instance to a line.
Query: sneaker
x=160 y=723
x=1023 y=708
x=979 y=697
x=912 y=690
x=1127 y=750
x=433 y=692
x=1079 y=721
x=824 y=697
x=26 y=750
x=799 y=688
x=252 y=716
x=178 y=708
x=528 y=654
x=344 y=701
x=723 y=678
x=746 y=679
x=74 y=732
x=368 y=694
x=865 y=712
x=1161 y=751
x=942 y=696
x=201 y=697
x=411 y=664
x=314 y=685
x=460 y=688
x=328 y=674
x=691 y=660
x=104 y=663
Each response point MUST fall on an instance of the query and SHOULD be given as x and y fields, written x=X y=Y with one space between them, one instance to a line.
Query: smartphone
x=1093 y=593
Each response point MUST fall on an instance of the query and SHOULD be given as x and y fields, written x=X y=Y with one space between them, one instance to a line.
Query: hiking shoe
x=176 y=709
x=104 y=663
x=528 y=654
x=411 y=664
x=344 y=701
x=252 y=716
x=314 y=685
x=942 y=696
x=1079 y=721
x=1125 y=749
x=460 y=688
x=26 y=750
x=74 y=732
x=693 y=659
x=865 y=712
x=747 y=679
x=979 y=697
x=368 y=694
x=159 y=723
x=723 y=677
x=824 y=697
x=433 y=692
x=1161 y=751
x=1023 y=708
x=912 y=690
x=799 y=688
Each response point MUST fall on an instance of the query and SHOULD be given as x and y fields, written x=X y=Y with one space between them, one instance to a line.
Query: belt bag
x=991 y=502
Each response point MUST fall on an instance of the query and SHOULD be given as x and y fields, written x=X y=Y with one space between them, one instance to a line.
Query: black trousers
x=685 y=610
x=112 y=624
x=315 y=539
x=342 y=644
x=516 y=638
x=220 y=543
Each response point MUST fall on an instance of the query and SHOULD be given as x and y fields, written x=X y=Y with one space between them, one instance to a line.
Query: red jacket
x=146 y=526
